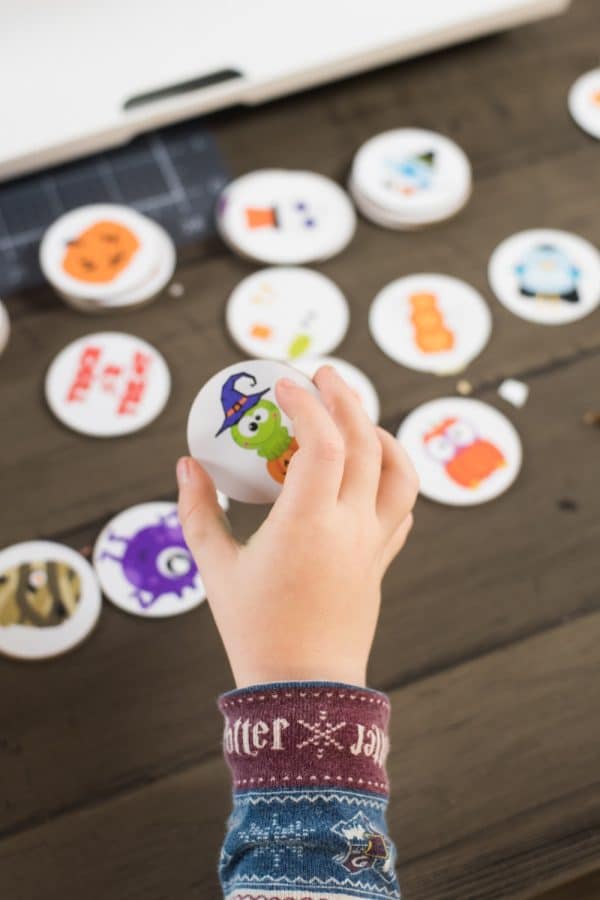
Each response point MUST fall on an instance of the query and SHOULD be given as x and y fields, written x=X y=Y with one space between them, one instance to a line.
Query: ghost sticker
x=465 y=452
x=240 y=434
x=144 y=564
x=49 y=599
x=287 y=313
x=255 y=424
x=546 y=276
x=411 y=174
x=285 y=217
x=432 y=323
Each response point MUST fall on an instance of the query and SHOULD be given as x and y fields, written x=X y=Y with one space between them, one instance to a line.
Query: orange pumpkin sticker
x=431 y=333
x=100 y=253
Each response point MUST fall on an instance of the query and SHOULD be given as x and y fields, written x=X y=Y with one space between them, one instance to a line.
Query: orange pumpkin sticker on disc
x=431 y=333
x=100 y=253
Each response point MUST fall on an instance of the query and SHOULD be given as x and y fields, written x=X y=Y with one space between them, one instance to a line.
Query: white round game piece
x=239 y=434
x=584 y=102
x=144 y=564
x=107 y=384
x=546 y=276
x=285 y=217
x=410 y=177
x=49 y=600
x=432 y=323
x=287 y=313
x=4 y=327
x=354 y=378
x=98 y=251
x=464 y=451
x=155 y=280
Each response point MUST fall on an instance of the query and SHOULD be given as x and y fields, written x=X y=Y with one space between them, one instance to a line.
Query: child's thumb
x=204 y=525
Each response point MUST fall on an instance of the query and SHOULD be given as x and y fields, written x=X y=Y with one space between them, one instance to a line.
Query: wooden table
x=111 y=779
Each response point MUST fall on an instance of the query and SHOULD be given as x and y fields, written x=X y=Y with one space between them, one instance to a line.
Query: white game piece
x=99 y=251
x=287 y=313
x=4 y=327
x=144 y=564
x=432 y=323
x=354 y=377
x=107 y=384
x=239 y=434
x=515 y=392
x=546 y=276
x=465 y=452
x=285 y=217
x=584 y=102
x=410 y=177
x=49 y=600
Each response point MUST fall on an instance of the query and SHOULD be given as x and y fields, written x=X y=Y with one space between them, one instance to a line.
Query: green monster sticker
x=256 y=424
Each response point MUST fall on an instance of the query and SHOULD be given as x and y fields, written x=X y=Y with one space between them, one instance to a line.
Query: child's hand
x=300 y=601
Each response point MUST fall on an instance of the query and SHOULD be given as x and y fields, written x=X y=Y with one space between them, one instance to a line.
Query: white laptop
x=82 y=75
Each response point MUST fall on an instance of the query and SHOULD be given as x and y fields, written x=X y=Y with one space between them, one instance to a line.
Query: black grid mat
x=173 y=175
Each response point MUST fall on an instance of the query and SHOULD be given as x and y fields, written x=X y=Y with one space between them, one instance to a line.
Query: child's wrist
x=323 y=672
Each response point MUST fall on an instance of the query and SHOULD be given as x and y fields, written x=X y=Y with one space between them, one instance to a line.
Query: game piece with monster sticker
x=239 y=434
x=584 y=102
x=143 y=562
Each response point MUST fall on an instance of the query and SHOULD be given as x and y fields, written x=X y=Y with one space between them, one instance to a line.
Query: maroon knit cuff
x=306 y=735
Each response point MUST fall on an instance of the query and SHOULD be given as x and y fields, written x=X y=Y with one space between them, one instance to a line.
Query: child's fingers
x=362 y=465
x=398 y=539
x=316 y=468
x=398 y=485
x=202 y=520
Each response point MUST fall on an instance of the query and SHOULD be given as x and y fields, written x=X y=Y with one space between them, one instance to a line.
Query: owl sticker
x=468 y=459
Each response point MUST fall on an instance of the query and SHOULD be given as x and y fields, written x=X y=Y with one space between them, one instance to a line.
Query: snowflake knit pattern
x=310 y=793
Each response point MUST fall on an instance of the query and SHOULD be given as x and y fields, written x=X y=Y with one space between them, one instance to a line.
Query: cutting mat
x=173 y=176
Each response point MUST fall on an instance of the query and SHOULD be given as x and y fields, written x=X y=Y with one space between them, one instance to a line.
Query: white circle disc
x=4 y=327
x=432 y=323
x=465 y=452
x=584 y=102
x=107 y=384
x=238 y=433
x=285 y=217
x=144 y=564
x=287 y=313
x=354 y=377
x=49 y=600
x=98 y=251
x=546 y=276
x=411 y=176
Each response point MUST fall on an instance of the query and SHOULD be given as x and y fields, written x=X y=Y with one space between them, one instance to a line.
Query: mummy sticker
x=546 y=276
x=285 y=217
x=410 y=177
x=362 y=386
x=107 y=384
x=287 y=314
x=465 y=452
x=584 y=102
x=432 y=323
x=239 y=434
x=49 y=600
x=144 y=564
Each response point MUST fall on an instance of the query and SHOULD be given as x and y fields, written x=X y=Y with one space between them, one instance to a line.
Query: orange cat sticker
x=100 y=253
x=431 y=332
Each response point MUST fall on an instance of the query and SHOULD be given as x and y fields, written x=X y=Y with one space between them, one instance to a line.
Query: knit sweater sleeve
x=310 y=793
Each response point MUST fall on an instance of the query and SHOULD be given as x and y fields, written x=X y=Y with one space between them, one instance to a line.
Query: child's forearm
x=310 y=793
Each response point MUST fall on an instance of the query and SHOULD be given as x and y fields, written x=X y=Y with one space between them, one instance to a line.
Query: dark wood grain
x=110 y=778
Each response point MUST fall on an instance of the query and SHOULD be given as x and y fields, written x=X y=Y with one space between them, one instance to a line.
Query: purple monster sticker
x=144 y=564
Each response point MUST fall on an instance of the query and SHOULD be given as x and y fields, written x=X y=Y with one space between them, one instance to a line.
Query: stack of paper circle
x=285 y=217
x=4 y=327
x=409 y=177
x=106 y=257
